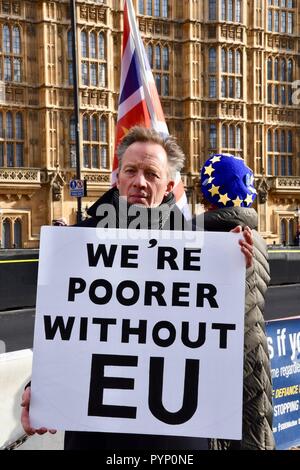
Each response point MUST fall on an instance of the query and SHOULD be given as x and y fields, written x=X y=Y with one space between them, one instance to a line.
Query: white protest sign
x=139 y=335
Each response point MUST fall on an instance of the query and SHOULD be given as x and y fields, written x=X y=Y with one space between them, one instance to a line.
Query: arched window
x=93 y=45
x=276 y=172
x=9 y=125
x=102 y=75
x=238 y=138
x=212 y=60
x=270 y=66
x=276 y=21
x=290 y=70
x=290 y=142
x=283 y=94
x=238 y=61
x=103 y=129
x=276 y=94
x=150 y=55
x=16 y=37
x=157 y=57
x=156 y=7
x=231 y=137
x=70 y=42
x=19 y=126
x=276 y=69
x=213 y=136
x=230 y=10
x=224 y=60
x=95 y=157
x=141 y=7
x=165 y=7
x=231 y=78
x=283 y=165
x=212 y=11
x=269 y=94
x=103 y=157
x=84 y=73
x=19 y=155
x=18 y=234
x=223 y=10
x=238 y=10
x=165 y=91
x=157 y=79
x=6 y=39
x=101 y=46
x=72 y=128
x=86 y=156
x=93 y=74
x=84 y=51
x=10 y=51
x=6 y=234
x=224 y=136
x=282 y=142
x=230 y=61
x=165 y=54
x=94 y=128
x=270 y=146
x=224 y=87
x=283 y=70
x=212 y=86
x=149 y=7
x=85 y=128
x=276 y=143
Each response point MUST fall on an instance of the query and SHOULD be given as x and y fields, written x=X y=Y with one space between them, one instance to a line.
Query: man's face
x=143 y=177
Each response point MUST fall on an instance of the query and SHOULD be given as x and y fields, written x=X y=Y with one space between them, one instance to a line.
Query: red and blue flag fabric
x=139 y=102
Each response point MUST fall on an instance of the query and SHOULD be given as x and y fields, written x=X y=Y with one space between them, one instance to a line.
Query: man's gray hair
x=174 y=153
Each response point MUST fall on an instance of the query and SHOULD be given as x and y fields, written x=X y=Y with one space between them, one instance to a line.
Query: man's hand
x=246 y=244
x=25 y=416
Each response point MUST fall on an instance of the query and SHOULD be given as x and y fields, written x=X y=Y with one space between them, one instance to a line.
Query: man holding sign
x=141 y=319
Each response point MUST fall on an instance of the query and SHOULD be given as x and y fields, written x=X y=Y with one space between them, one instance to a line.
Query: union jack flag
x=139 y=101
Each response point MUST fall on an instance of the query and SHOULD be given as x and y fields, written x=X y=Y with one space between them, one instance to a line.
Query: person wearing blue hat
x=227 y=186
x=227 y=182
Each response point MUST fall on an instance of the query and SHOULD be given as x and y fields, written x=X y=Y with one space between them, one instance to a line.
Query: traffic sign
x=77 y=188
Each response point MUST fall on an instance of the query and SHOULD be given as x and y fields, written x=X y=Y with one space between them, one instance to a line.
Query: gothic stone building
x=228 y=75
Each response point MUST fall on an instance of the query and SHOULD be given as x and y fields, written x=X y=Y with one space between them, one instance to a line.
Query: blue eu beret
x=226 y=181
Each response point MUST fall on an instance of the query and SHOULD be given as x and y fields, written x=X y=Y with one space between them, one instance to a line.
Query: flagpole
x=76 y=101
x=132 y=19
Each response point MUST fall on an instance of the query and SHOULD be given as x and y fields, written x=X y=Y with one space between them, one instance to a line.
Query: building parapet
x=20 y=175
x=283 y=183
x=97 y=182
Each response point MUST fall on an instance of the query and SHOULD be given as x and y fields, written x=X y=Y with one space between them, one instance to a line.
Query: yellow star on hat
x=214 y=190
x=224 y=199
x=210 y=180
x=237 y=202
x=215 y=159
x=208 y=170
x=248 y=199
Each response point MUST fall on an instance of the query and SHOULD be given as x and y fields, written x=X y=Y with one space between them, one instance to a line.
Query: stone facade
x=227 y=72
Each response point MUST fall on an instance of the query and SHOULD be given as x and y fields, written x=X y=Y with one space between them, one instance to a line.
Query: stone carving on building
x=263 y=187
x=56 y=179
